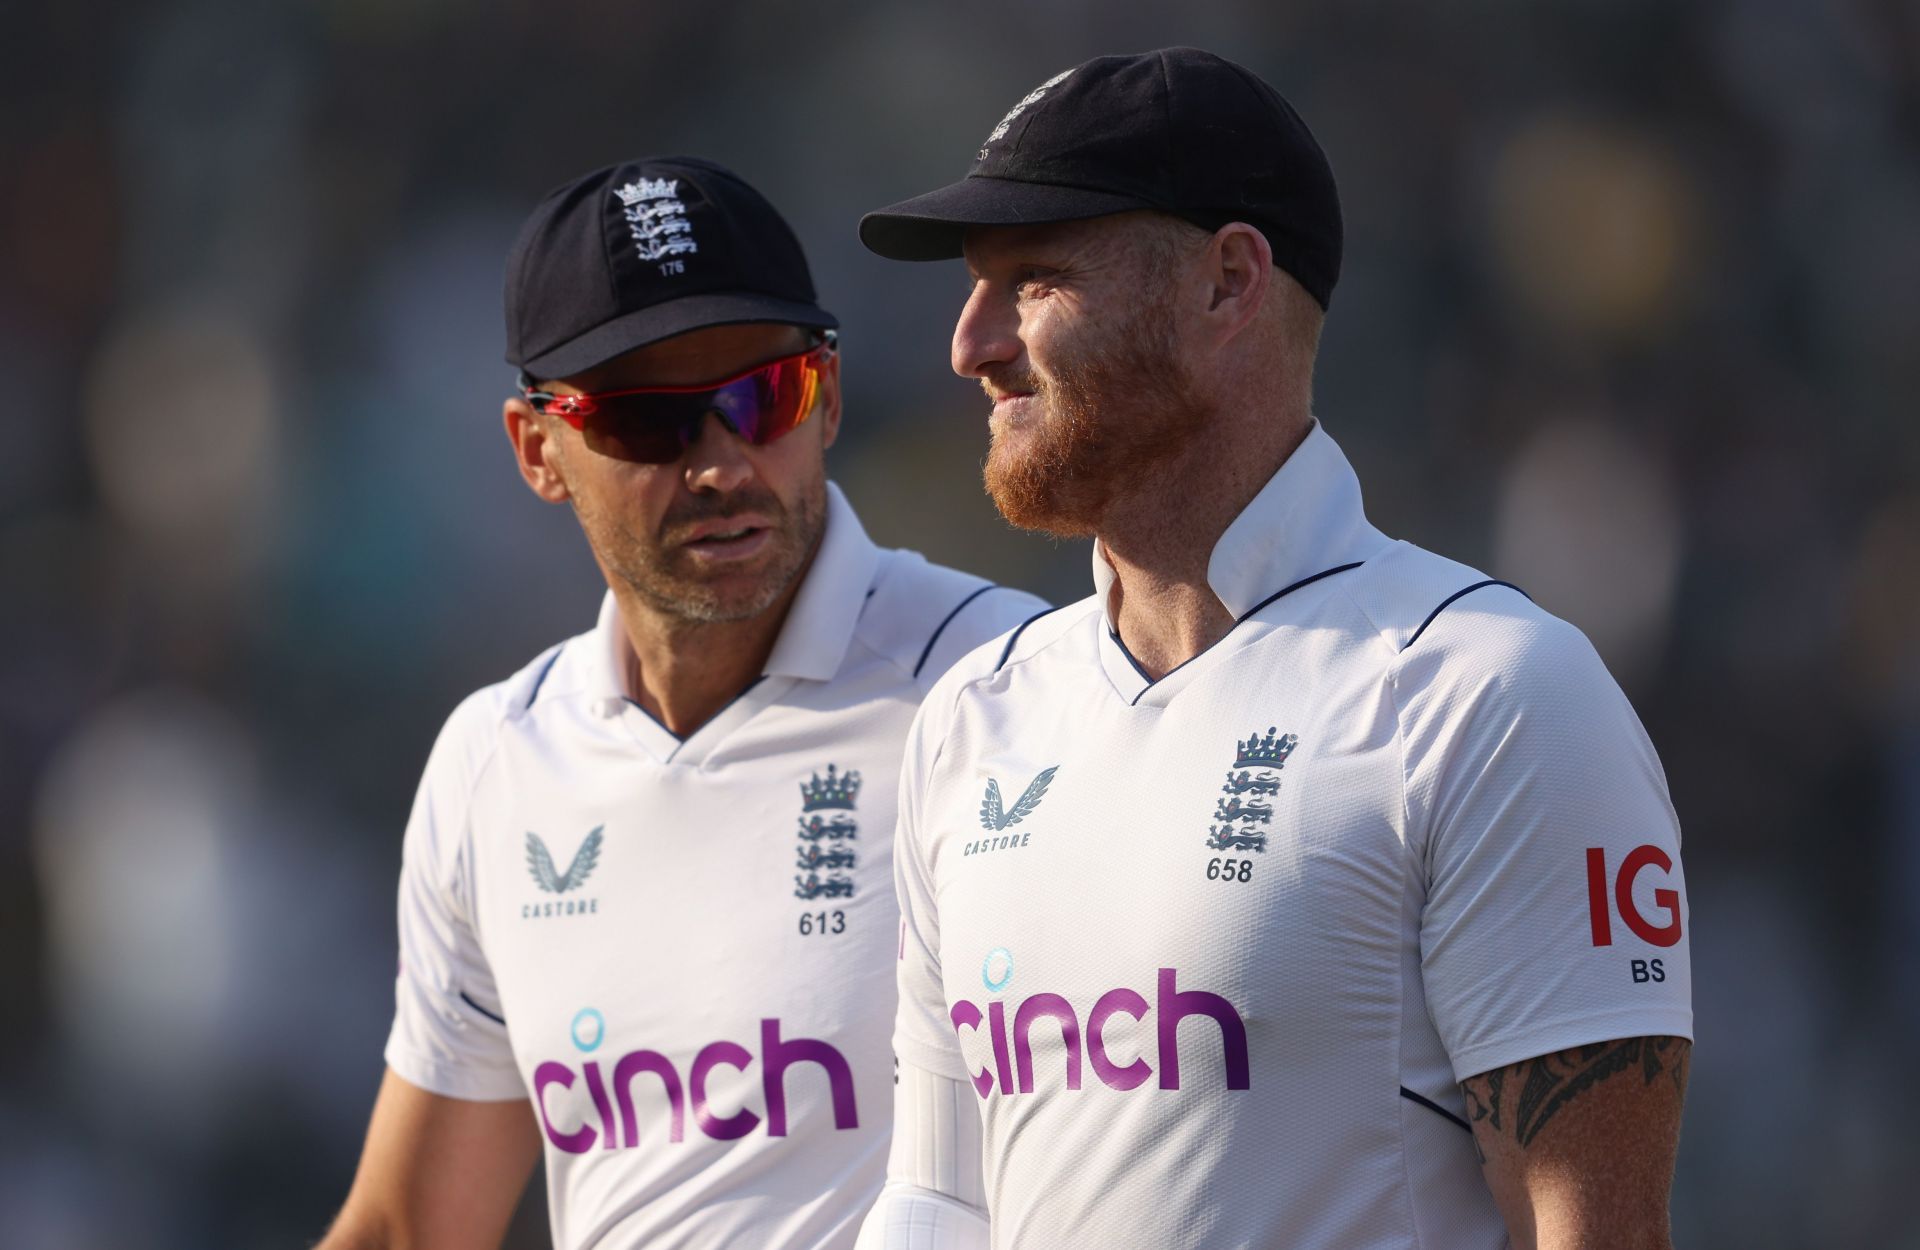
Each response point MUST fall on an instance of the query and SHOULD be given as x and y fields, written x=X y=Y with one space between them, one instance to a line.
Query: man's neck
x=684 y=672
x=1159 y=538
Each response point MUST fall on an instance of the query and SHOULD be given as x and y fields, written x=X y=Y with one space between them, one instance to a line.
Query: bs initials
x=1637 y=860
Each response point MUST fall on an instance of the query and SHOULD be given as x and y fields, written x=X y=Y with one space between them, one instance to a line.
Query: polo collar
x=1308 y=518
x=819 y=625
x=819 y=628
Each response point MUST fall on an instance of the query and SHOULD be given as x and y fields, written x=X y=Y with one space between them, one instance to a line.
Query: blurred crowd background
x=1631 y=317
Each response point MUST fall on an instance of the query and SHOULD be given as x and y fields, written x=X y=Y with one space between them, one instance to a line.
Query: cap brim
x=932 y=226
x=663 y=321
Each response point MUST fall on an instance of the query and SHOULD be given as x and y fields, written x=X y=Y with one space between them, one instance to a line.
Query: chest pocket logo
x=826 y=842
x=995 y=817
x=1243 y=817
x=540 y=863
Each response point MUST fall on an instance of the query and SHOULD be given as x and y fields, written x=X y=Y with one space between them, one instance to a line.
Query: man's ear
x=829 y=401
x=1238 y=269
x=536 y=450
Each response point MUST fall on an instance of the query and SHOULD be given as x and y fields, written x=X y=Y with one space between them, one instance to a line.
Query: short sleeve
x=1555 y=912
x=449 y=1035
x=984 y=615
x=922 y=1035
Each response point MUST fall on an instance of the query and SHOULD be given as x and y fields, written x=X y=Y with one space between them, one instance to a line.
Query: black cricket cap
x=1179 y=130
x=644 y=250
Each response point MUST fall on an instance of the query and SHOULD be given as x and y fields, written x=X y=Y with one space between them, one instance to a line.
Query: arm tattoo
x=1547 y=1084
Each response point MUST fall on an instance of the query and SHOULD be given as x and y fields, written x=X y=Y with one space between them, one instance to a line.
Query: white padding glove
x=935 y=1197
x=910 y=1218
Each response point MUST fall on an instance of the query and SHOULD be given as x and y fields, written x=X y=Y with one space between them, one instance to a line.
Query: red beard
x=1110 y=414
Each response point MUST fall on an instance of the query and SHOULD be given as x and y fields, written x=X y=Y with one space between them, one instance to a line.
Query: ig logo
x=1600 y=907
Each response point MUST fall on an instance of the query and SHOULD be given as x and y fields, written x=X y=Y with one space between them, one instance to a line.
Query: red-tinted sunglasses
x=656 y=424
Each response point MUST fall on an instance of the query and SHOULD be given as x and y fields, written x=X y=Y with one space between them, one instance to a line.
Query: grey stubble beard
x=647 y=568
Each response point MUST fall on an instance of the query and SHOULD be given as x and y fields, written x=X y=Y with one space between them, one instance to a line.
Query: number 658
x=1229 y=869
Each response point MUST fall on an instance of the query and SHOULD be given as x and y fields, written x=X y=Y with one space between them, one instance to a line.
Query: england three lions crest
x=825 y=856
x=1243 y=812
x=657 y=220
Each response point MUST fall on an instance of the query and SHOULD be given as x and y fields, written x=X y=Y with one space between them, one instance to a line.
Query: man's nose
x=987 y=335
x=717 y=459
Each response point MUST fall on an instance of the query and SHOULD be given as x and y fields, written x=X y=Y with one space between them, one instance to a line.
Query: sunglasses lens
x=656 y=427
x=631 y=429
x=770 y=402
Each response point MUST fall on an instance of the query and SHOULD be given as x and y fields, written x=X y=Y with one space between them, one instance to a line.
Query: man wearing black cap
x=646 y=915
x=1340 y=903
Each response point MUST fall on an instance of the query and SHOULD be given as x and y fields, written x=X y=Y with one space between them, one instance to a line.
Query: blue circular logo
x=588 y=1015
x=1005 y=957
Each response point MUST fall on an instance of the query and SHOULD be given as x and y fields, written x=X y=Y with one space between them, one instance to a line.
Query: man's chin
x=711 y=605
x=1031 y=499
x=695 y=590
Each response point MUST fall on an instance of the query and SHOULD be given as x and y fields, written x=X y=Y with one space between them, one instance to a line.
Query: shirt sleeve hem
x=938 y=1060
x=1560 y=1035
x=451 y=1082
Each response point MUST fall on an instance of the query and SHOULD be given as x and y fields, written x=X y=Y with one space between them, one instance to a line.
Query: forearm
x=352 y=1232
x=1578 y=1147
x=935 y=1196
x=436 y=1173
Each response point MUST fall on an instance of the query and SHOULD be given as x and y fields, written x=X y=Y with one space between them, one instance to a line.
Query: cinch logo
x=611 y=1090
x=1013 y=1051
x=1637 y=861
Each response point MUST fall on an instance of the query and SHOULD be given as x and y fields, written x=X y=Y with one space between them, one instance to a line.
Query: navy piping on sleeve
x=1018 y=630
x=1244 y=618
x=482 y=1010
x=1305 y=581
x=1465 y=590
x=942 y=627
x=541 y=680
x=1431 y=1105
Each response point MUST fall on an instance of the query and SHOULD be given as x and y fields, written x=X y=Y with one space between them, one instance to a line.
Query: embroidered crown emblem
x=1026 y=102
x=657 y=219
x=648 y=189
x=1268 y=752
x=837 y=791
x=826 y=843
x=1243 y=819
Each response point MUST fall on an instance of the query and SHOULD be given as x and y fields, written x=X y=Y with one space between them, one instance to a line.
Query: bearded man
x=1329 y=893
x=690 y=1017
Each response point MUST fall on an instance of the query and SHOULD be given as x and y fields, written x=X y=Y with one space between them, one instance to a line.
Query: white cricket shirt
x=1213 y=951
x=683 y=951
